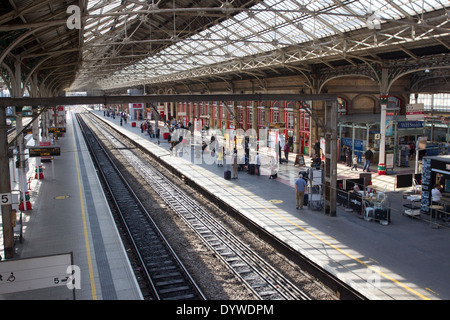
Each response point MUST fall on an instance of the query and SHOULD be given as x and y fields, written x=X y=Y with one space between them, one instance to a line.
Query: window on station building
x=290 y=123
x=262 y=116
x=276 y=116
x=433 y=102
x=275 y=112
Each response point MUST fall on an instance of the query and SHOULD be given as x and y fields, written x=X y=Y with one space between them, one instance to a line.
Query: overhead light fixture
x=427 y=70
x=373 y=21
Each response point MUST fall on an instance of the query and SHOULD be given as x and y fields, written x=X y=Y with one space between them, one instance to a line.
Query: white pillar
x=381 y=164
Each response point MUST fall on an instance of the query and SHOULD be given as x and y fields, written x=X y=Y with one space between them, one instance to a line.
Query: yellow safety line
x=325 y=242
x=86 y=237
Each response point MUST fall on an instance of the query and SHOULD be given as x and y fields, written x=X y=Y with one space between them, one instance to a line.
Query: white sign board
x=5 y=198
x=389 y=161
x=35 y=273
x=415 y=111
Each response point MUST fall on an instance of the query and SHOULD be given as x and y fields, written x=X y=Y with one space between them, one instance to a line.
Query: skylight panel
x=267 y=26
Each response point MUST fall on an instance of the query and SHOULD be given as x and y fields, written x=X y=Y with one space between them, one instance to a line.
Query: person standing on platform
x=286 y=151
x=220 y=157
x=369 y=156
x=348 y=156
x=300 y=185
x=258 y=163
x=317 y=148
x=235 y=165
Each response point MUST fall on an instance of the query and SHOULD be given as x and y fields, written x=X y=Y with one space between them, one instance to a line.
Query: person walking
x=300 y=185
x=369 y=156
x=355 y=163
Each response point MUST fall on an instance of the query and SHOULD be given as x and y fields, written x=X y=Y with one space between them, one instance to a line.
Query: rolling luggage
x=251 y=169
x=227 y=175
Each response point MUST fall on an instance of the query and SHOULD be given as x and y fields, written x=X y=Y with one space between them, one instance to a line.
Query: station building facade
x=359 y=109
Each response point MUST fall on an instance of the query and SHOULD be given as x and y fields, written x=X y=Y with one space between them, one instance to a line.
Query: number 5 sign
x=5 y=198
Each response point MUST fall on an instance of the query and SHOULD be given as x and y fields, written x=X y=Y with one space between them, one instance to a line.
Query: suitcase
x=251 y=169
x=227 y=175
x=305 y=199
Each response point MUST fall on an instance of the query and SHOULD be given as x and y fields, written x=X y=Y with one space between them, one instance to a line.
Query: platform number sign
x=5 y=198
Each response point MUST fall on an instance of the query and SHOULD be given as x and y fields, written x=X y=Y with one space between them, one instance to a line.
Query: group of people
x=352 y=161
x=236 y=164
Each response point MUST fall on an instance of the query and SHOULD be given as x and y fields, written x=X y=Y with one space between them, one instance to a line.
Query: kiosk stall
x=436 y=170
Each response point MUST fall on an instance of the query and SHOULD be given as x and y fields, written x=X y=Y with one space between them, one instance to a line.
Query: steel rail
x=167 y=276
x=261 y=278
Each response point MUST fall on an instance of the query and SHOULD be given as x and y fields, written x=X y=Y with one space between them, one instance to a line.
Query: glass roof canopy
x=268 y=26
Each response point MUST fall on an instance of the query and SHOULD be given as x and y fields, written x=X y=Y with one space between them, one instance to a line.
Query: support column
x=255 y=117
x=381 y=162
x=227 y=116
x=5 y=188
x=330 y=190
x=266 y=114
x=282 y=119
x=211 y=116
x=296 y=127
x=235 y=120
x=244 y=117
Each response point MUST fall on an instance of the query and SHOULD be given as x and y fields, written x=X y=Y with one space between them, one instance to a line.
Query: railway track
x=260 y=277
x=165 y=273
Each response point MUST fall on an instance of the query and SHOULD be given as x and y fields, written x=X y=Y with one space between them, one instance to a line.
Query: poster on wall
x=389 y=127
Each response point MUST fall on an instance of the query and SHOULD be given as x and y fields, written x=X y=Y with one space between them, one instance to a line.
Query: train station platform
x=69 y=214
x=404 y=260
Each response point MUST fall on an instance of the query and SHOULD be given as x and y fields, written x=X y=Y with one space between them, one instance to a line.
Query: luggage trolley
x=315 y=189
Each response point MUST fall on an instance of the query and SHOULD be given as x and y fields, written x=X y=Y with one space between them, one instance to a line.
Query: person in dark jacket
x=348 y=156
x=369 y=157
x=317 y=147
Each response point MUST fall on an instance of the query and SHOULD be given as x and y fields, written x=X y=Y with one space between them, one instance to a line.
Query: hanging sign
x=56 y=129
x=410 y=124
x=277 y=125
x=415 y=111
x=44 y=151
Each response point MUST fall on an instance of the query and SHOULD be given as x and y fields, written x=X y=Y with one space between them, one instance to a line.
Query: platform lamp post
x=381 y=164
